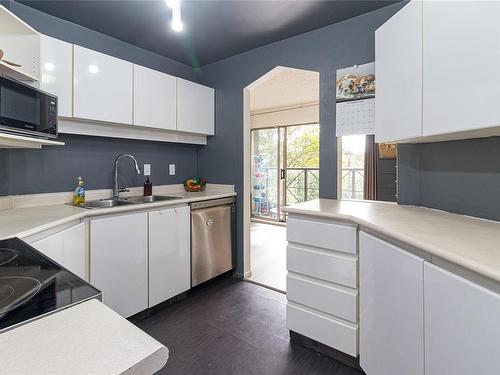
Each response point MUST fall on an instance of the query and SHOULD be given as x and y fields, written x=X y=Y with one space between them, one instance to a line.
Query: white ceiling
x=285 y=88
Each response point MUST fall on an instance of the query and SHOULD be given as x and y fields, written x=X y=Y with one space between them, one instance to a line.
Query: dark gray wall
x=4 y=173
x=56 y=168
x=324 y=50
x=386 y=188
x=458 y=176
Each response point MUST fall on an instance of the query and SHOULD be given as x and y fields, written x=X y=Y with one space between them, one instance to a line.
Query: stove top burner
x=5 y=292
x=32 y=285
x=16 y=290
x=6 y=255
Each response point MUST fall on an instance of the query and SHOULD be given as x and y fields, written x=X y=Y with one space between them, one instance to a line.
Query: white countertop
x=465 y=241
x=88 y=338
x=26 y=221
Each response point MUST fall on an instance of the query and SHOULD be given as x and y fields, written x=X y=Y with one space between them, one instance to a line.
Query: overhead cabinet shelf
x=20 y=43
x=16 y=73
x=18 y=141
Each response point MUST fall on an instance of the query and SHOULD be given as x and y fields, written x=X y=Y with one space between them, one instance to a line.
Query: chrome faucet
x=116 y=188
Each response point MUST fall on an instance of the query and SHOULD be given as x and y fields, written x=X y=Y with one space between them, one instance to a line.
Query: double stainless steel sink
x=114 y=202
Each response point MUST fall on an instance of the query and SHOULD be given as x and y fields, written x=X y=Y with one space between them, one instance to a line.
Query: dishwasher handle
x=211 y=203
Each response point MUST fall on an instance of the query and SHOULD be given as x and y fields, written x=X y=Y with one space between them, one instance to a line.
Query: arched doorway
x=281 y=166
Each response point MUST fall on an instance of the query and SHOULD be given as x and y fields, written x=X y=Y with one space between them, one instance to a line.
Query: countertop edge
x=436 y=251
x=86 y=213
x=122 y=347
x=151 y=364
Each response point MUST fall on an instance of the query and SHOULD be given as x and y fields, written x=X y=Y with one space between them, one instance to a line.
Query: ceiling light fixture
x=176 y=23
x=173 y=4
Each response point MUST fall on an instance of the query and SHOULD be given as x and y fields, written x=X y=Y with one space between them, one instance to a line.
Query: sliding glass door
x=285 y=168
x=265 y=173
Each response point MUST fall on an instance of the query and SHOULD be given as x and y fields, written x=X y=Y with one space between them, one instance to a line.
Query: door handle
x=282 y=174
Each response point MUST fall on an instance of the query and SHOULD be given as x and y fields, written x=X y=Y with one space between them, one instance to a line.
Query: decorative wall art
x=356 y=82
x=355 y=100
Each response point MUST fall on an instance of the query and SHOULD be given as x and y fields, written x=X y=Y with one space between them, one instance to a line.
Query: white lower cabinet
x=320 y=234
x=462 y=330
x=391 y=309
x=169 y=253
x=322 y=295
x=321 y=264
x=68 y=248
x=323 y=328
x=119 y=261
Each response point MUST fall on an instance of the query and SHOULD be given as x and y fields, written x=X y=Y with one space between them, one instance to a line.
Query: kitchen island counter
x=88 y=338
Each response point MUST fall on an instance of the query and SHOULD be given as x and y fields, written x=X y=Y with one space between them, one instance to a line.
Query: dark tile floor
x=233 y=327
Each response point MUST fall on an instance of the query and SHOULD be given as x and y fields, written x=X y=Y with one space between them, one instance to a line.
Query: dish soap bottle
x=148 y=187
x=79 y=194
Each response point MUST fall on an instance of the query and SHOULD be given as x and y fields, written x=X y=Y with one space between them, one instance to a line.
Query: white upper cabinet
x=169 y=253
x=462 y=334
x=461 y=66
x=437 y=67
x=195 y=108
x=391 y=293
x=154 y=99
x=56 y=72
x=102 y=87
x=398 y=70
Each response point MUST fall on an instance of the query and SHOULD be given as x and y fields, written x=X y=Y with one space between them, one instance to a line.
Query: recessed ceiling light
x=173 y=3
x=176 y=26
x=176 y=23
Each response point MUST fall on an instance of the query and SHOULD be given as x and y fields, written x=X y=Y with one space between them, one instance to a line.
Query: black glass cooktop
x=32 y=285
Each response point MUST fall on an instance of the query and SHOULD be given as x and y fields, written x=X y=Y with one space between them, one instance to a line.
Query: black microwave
x=25 y=109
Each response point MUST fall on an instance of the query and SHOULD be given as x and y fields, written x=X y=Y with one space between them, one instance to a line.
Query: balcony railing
x=352 y=182
x=302 y=184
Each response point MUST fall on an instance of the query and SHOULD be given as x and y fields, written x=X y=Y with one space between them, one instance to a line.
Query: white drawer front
x=321 y=234
x=322 y=265
x=334 y=333
x=322 y=296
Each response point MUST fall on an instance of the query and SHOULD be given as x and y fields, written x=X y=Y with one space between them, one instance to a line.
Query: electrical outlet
x=147 y=169
x=171 y=169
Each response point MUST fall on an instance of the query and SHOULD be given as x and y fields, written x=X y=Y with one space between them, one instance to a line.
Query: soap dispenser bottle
x=79 y=193
x=148 y=187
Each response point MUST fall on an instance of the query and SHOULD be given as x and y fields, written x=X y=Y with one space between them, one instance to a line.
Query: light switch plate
x=147 y=169
x=171 y=169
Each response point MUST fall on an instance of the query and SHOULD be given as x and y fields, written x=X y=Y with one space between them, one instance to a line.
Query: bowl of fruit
x=195 y=184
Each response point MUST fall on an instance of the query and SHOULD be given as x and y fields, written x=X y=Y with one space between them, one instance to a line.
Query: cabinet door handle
x=282 y=174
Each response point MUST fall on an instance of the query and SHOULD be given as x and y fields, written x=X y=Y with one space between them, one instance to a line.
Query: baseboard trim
x=264 y=285
x=325 y=350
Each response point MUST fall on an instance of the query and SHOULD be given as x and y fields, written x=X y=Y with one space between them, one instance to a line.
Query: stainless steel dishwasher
x=211 y=239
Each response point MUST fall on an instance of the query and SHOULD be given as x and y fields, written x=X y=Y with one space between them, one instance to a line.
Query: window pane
x=302 y=163
x=353 y=161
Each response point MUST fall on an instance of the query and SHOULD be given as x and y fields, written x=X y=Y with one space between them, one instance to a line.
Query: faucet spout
x=116 y=188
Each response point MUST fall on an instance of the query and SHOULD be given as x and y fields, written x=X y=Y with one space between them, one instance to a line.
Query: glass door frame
x=278 y=174
x=282 y=139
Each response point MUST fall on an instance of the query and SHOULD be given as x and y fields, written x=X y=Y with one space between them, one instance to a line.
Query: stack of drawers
x=322 y=283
